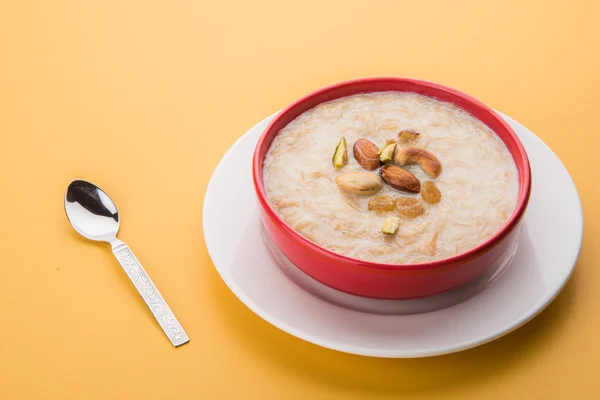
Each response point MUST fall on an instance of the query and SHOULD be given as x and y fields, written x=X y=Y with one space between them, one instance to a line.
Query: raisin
x=409 y=207
x=381 y=203
x=430 y=193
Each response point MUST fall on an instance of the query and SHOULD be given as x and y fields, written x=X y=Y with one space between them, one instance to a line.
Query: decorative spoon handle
x=150 y=294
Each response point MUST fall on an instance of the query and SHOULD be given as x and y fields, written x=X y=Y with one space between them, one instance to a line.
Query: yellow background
x=144 y=97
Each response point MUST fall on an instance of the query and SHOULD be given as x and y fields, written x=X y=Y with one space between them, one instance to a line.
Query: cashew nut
x=408 y=135
x=428 y=161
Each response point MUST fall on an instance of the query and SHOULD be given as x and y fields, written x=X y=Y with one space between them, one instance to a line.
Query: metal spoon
x=93 y=214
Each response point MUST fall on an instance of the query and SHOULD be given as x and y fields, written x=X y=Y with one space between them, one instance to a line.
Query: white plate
x=459 y=320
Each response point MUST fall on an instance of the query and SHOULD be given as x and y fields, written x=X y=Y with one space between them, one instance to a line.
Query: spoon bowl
x=91 y=212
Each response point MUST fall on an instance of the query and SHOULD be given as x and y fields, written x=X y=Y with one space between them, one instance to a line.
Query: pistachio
x=391 y=225
x=361 y=183
x=387 y=153
x=428 y=161
x=387 y=143
x=340 y=156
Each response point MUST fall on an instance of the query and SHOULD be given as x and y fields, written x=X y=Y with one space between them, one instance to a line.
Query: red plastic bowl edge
x=522 y=200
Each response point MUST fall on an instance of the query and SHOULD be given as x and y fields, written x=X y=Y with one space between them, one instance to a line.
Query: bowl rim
x=522 y=199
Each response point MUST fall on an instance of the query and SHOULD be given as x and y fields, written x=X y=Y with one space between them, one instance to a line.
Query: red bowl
x=392 y=281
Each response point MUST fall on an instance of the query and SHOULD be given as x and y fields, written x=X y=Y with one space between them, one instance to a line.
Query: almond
x=361 y=183
x=400 y=179
x=366 y=153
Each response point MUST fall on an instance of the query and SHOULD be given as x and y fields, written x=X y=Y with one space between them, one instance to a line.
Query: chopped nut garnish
x=387 y=153
x=340 y=156
x=427 y=160
x=366 y=153
x=408 y=135
x=361 y=183
x=400 y=179
x=391 y=225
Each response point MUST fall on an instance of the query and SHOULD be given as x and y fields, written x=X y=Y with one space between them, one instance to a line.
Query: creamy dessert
x=391 y=177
